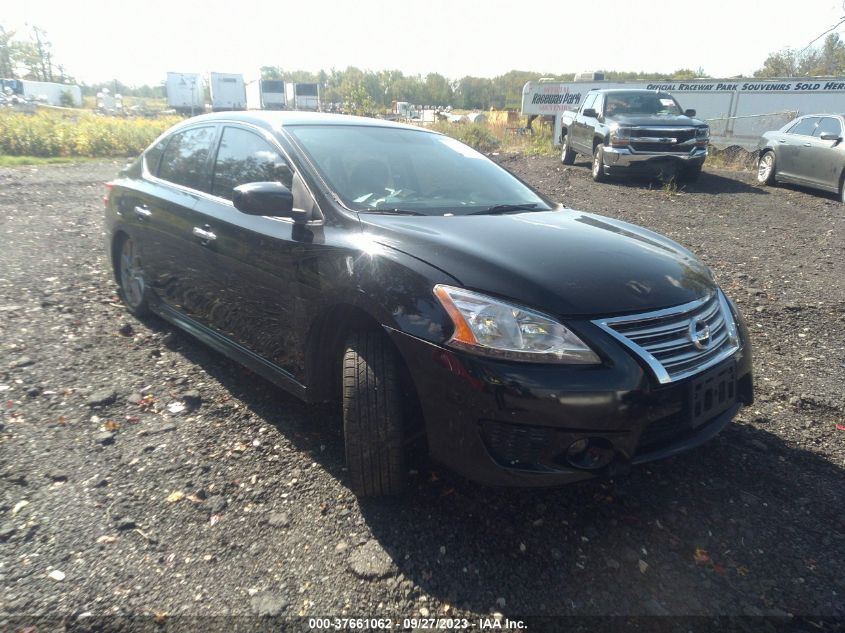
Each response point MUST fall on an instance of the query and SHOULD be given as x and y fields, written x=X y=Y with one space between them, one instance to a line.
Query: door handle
x=203 y=234
x=142 y=213
x=780 y=140
x=808 y=144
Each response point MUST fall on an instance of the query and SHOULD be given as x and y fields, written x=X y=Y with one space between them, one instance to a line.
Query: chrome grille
x=681 y=341
x=680 y=135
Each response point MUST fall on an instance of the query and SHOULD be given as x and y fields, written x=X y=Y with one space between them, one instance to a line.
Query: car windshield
x=395 y=170
x=653 y=103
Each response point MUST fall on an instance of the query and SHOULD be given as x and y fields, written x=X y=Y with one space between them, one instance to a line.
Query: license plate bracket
x=712 y=393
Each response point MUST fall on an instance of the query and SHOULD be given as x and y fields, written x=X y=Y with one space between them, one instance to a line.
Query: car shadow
x=699 y=534
x=819 y=193
x=745 y=525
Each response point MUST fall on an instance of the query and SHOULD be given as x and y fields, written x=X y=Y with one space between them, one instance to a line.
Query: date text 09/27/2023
x=445 y=624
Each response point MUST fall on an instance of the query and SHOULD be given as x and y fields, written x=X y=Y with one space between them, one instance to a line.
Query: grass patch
x=501 y=136
x=55 y=133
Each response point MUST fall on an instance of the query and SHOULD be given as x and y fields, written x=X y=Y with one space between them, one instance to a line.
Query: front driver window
x=245 y=157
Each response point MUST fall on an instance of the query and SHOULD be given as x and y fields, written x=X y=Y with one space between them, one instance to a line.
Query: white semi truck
x=266 y=94
x=304 y=96
x=185 y=92
x=228 y=91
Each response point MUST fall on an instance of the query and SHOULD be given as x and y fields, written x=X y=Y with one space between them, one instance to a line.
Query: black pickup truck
x=635 y=131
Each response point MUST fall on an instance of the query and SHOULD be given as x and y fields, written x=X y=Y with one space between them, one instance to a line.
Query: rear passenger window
x=185 y=159
x=805 y=126
x=246 y=157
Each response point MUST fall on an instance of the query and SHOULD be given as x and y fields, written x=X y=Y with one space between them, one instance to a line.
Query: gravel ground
x=143 y=475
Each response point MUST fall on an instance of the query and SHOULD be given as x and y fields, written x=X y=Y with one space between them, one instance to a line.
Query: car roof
x=274 y=120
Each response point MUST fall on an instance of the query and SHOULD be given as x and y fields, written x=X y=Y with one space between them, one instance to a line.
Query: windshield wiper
x=498 y=209
x=391 y=211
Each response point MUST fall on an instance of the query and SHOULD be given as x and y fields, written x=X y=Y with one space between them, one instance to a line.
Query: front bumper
x=510 y=424
x=624 y=158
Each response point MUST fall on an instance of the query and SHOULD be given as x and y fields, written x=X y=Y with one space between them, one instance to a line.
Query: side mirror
x=589 y=112
x=830 y=137
x=272 y=199
x=690 y=113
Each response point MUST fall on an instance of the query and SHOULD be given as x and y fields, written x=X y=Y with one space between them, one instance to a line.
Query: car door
x=583 y=127
x=824 y=162
x=792 y=158
x=255 y=298
x=174 y=263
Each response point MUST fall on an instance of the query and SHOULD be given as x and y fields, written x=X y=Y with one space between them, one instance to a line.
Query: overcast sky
x=138 y=42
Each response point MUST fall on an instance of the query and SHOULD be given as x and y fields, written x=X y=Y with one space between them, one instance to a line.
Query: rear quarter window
x=152 y=157
x=805 y=127
x=185 y=159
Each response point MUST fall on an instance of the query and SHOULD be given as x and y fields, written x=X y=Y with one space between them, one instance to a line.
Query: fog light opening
x=590 y=453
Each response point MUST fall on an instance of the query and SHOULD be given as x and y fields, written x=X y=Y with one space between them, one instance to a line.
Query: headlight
x=620 y=136
x=490 y=327
x=702 y=133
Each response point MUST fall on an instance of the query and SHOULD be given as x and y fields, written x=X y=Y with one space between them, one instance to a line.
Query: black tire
x=130 y=277
x=567 y=154
x=842 y=189
x=372 y=416
x=690 y=174
x=598 y=164
x=766 y=168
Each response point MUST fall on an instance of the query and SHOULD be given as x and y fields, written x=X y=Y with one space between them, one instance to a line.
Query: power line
x=833 y=28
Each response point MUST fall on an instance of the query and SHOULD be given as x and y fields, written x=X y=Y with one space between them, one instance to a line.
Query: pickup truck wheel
x=766 y=169
x=372 y=416
x=567 y=154
x=598 y=164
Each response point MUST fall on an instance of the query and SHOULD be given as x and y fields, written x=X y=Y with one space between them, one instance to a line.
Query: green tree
x=828 y=59
x=7 y=66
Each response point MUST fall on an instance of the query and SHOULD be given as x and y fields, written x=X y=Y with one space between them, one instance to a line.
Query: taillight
x=108 y=193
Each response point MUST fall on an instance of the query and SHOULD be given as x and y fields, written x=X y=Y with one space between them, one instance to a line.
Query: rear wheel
x=766 y=169
x=133 y=287
x=372 y=416
x=567 y=154
x=598 y=164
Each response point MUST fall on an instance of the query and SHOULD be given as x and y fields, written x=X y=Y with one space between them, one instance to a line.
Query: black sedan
x=429 y=292
x=807 y=151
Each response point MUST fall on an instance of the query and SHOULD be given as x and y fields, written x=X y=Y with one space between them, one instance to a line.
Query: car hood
x=563 y=262
x=655 y=121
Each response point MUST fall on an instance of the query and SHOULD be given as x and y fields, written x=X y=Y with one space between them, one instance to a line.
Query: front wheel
x=567 y=154
x=372 y=416
x=133 y=286
x=598 y=164
x=766 y=169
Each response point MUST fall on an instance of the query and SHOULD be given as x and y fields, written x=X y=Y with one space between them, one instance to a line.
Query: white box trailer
x=228 y=91
x=44 y=91
x=738 y=110
x=304 y=96
x=266 y=94
x=185 y=92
